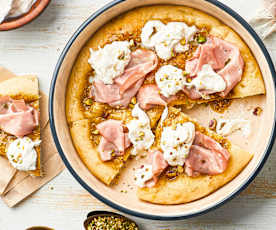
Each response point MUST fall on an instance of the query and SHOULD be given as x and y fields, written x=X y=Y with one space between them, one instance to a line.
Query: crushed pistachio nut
x=111 y=223
x=201 y=39
x=257 y=111
x=213 y=124
x=133 y=101
x=183 y=41
x=88 y=101
x=96 y=132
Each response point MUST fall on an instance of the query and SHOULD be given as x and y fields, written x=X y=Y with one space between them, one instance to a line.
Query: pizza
x=19 y=123
x=129 y=87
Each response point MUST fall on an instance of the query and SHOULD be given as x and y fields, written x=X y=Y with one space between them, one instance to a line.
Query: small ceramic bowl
x=260 y=143
x=93 y=214
x=35 y=11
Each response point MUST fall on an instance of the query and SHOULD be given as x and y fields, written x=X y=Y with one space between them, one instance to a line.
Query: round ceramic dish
x=36 y=10
x=260 y=142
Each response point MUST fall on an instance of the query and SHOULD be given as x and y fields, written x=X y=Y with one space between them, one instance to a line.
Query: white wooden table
x=63 y=203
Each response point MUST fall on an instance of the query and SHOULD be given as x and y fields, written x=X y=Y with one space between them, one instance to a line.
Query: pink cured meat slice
x=16 y=117
x=127 y=85
x=113 y=139
x=149 y=95
x=224 y=57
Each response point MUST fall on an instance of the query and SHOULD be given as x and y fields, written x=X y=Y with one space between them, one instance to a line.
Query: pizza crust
x=105 y=171
x=185 y=189
x=27 y=88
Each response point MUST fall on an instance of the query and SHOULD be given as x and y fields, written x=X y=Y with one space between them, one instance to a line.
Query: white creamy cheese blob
x=164 y=115
x=110 y=61
x=226 y=127
x=169 y=80
x=165 y=39
x=176 y=143
x=207 y=79
x=20 y=7
x=22 y=155
x=5 y=7
x=142 y=175
x=14 y=8
x=140 y=133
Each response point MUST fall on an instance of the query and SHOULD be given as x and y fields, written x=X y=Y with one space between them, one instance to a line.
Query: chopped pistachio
x=88 y=101
x=96 y=132
x=213 y=124
x=133 y=100
x=257 y=111
x=111 y=222
x=201 y=39
x=183 y=41
x=185 y=73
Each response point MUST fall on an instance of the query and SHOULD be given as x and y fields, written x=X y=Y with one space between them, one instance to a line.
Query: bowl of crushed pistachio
x=103 y=220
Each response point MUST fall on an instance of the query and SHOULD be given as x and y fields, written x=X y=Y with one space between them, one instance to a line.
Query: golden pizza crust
x=105 y=171
x=23 y=87
x=85 y=143
x=185 y=189
x=27 y=88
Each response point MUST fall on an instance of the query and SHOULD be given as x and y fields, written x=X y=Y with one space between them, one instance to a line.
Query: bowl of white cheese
x=17 y=13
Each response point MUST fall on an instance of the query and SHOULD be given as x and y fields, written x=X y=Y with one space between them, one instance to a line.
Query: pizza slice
x=19 y=123
x=187 y=162
x=103 y=144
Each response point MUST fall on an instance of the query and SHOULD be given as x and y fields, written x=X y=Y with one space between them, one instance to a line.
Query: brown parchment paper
x=15 y=185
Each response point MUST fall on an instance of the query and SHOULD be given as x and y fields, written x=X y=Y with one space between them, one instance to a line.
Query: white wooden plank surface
x=63 y=203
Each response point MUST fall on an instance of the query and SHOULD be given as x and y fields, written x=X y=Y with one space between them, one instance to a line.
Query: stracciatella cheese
x=169 y=80
x=14 y=8
x=22 y=155
x=176 y=142
x=226 y=127
x=207 y=79
x=5 y=8
x=142 y=175
x=110 y=61
x=140 y=133
x=165 y=39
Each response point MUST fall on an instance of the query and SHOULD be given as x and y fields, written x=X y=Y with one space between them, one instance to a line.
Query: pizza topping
x=149 y=95
x=22 y=154
x=16 y=117
x=142 y=62
x=204 y=161
x=114 y=140
x=127 y=85
x=170 y=80
x=257 y=111
x=147 y=176
x=226 y=127
x=166 y=39
x=223 y=57
x=176 y=142
x=140 y=133
x=110 y=61
x=143 y=174
x=206 y=156
x=6 y=6
x=206 y=82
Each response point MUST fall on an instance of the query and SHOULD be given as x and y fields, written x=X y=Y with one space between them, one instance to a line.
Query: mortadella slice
x=16 y=117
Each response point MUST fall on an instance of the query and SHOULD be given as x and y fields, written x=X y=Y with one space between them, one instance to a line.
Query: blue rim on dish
x=109 y=202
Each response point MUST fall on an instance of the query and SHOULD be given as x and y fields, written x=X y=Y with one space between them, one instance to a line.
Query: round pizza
x=134 y=84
